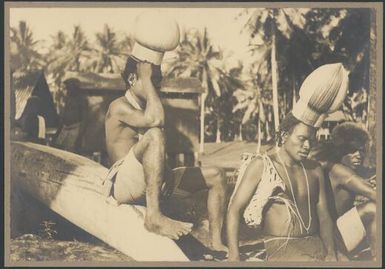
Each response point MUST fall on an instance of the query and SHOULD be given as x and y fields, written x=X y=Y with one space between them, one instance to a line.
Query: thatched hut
x=32 y=88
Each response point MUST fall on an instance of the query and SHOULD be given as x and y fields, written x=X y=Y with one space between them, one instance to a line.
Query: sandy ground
x=32 y=247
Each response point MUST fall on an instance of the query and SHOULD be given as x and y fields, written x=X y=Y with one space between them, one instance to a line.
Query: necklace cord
x=292 y=191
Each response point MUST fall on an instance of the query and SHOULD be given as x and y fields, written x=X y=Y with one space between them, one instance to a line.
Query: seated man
x=284 y=194
x=342 y=158
x=136 y=145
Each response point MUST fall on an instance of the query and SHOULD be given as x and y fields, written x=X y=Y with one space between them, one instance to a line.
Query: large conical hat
x=155 y=33
x=322 y=92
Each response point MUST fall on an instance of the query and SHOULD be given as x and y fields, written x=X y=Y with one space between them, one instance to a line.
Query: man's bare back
x=120 y=137
x=346 y=198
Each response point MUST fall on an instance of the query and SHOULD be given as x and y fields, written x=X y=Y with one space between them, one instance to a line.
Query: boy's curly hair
x=348 y=137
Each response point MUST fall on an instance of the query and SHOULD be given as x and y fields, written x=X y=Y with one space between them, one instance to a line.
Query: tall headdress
x=322 y=92
x=154 y=34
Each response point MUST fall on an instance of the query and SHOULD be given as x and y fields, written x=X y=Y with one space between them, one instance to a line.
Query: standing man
x=74 y=118
x=283 y=192
x=342 y=159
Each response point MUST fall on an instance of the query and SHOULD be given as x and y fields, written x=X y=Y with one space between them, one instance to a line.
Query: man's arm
x=154 y=108
x=349 y=180
x=153 y=114
x=134 y=117
x=326 y=223
x=240 y=200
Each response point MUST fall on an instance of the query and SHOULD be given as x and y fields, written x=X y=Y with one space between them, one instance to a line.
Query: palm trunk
x=372 y=93
x=218 y=139
x=202 y=122
x=267 y=131
x=371 y=106
x=274 y=77
x=240 y=132
x=259 y=136
x=294 y=92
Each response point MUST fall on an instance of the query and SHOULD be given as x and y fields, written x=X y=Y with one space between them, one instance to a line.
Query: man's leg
x=195 y=179
x=367 y=213
x=150 y=152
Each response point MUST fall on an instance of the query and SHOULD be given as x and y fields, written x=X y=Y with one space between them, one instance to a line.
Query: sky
x=223 y=29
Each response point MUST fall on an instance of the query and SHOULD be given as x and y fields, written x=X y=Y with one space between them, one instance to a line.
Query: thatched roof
x=114 y=82
x=24 y=84
x=33 y=83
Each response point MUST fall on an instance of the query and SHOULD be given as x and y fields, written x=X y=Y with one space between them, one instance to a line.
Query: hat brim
x=145 y=54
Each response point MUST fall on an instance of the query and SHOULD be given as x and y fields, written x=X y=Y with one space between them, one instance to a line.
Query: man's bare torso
x=120 y=137
x=346 y=198
x=276 y=213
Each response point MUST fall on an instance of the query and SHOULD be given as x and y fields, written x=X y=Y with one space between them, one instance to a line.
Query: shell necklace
x=292 y=191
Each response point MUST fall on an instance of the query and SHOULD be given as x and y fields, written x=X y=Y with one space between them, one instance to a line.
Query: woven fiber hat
x=154 y=34
x=322 y=92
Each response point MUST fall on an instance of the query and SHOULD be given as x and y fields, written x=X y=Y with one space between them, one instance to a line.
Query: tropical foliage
x=241 y=101
x=197 y=57
x=24 y=53
x=305 y=39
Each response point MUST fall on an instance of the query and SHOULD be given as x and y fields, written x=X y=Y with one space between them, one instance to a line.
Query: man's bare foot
x=165 y=226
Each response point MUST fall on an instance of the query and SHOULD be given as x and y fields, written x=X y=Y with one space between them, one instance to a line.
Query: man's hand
x=144 y=70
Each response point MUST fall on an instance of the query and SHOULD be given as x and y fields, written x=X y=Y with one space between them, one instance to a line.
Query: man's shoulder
x=257 y=162
x=340 y=170
x=118 y=106
x=341 y=173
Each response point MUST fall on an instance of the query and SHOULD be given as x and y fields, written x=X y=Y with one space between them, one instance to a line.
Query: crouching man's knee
x=368 y=212
x=215 y=177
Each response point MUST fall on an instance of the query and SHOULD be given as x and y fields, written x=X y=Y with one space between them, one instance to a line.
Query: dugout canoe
x=70 y=185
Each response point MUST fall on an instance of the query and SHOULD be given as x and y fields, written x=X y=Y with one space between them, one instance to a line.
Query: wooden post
x=202 y=122
x=274 y=78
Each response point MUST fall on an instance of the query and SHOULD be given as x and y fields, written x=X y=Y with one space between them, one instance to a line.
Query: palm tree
x=69 y=54
x=59 y=40
x=126 y=44
x=254 y=98
x=266 y=26
x=24 y=54
x=196 y=57
x=72 y=56
x=229 y=80
x=108 y=53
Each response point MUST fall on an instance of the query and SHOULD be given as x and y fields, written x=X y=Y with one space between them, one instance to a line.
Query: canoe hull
x=70 y=185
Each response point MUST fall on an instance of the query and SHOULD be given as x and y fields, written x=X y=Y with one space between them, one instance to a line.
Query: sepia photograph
x=193 y=134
